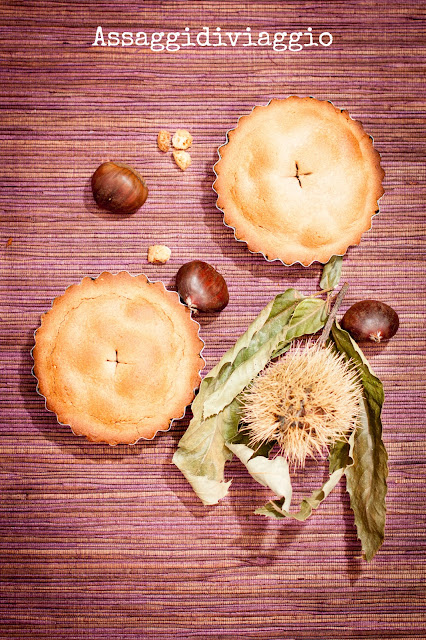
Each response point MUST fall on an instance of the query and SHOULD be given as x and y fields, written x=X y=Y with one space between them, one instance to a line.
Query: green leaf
x=273 y=317
x=273 y=474
x=340 y=460
x=331 y=273
x=274 y=337
x=309 y=317
x=340 y=455
x=234 y=371
x=202 y=451
x=366 y=479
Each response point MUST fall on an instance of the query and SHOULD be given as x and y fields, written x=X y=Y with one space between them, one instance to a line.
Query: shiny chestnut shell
x=201 y=287
x=118 y=188
x=370 y=320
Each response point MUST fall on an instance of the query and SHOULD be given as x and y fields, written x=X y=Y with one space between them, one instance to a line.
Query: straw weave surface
x=100 y=543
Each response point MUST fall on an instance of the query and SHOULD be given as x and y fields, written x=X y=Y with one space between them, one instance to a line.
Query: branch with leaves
x=213 y=435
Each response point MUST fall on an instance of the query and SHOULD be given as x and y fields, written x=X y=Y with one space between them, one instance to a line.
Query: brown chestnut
x=370 y=320
x=201 y=287
x=118 y=188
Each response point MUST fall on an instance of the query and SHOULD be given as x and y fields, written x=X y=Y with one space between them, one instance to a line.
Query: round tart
x=298 y=180
x=117 y=358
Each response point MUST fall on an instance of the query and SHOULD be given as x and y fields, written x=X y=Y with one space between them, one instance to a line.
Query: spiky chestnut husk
x=305 y=402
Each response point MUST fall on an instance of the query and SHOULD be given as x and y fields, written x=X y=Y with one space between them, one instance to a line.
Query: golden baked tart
x=117 y=358
x=298 y=180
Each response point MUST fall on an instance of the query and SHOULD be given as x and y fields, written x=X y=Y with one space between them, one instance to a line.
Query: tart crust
x=298 y=180
x=117 y=358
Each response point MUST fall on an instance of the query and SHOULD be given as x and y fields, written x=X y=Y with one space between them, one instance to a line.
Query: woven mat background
x=101 y=542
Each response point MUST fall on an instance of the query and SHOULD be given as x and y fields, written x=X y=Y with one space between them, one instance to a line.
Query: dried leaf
x=340 y=460
x=202 y=453
x=366 y=479
x=202 y=450
x=209 y=491
x=263 y=449
x=331 y=273
x=273 y=474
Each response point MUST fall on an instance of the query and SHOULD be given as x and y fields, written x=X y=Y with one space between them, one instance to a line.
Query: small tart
x=298 y=180
x=117 y=358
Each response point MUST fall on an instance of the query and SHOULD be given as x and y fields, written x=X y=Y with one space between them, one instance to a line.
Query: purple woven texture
x=101 y=542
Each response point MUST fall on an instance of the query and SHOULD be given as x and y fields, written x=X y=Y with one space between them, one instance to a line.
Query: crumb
x=182 y=139
x=182 y=159
x=159 y=254
x=163 y=140
x=9 y=243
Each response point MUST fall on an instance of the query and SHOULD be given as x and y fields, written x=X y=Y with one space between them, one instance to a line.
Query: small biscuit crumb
x=182 y=159
x=182 y=139
x=163 y=140
x=159 y=254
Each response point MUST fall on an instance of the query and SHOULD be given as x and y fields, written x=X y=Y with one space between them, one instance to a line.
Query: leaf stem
x=326 y=331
